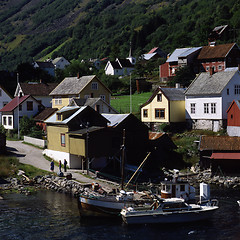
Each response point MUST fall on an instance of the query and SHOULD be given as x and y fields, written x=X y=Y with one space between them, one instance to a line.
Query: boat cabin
x=177 y=189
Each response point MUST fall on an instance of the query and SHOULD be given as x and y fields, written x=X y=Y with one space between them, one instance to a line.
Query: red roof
x=14 y=103
x=225 y=156
x=153 y=50
x=155 y=135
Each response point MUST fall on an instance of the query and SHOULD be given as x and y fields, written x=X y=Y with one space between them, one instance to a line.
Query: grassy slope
x=122 y=103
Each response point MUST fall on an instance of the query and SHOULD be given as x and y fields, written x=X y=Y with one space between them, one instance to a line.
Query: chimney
x=211 y=71
x=78 y=75
x=177 y=85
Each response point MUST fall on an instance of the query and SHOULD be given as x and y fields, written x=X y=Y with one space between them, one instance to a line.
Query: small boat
x=101 y=205
x=170 y=210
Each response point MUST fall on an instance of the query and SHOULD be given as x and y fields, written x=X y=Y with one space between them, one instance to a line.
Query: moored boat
x=171 y=210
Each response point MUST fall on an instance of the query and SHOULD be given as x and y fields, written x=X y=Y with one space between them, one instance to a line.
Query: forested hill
x=82 y=29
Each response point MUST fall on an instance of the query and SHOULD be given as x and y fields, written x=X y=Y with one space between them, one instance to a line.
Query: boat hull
x=168 y=217
x=101 y=207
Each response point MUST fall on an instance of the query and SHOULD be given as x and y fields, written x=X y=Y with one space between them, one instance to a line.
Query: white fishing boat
x=171 y=210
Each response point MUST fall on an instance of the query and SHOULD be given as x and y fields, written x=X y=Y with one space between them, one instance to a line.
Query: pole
x=87 y=155
x=18 y=107
x=130 y=93
x=123 y=161
x=138 y=168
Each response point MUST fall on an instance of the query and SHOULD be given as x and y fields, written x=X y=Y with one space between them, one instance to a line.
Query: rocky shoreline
x=72 y=187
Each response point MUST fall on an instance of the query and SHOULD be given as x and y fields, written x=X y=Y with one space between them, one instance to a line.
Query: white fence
x=35 y=141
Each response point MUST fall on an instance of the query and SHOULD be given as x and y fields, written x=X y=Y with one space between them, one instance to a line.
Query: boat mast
x=123 y=161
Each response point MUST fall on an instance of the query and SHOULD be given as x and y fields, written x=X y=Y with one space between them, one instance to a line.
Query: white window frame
x=206 y=108
x=193 y=108
x=236 y=89
x=58 y=100
x=213 y=108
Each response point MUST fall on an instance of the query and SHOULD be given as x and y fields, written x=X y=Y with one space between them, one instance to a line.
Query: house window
x=94 y=86
x=237 y=89
x=4 y=120
x=5 y=103
x=97 y=108
x=213 y=107
x=10 y=121
x=227 y=91
x=231 y=116
x=159 y=113
x=29 y=105
x=63 y=142
x=193 y=108
x=145 y=113
x=219 y=67
x=59 y=117
x=159 y=97
x=207 y=69
x=102 y=97
x=20 y=107
x=182 y=188
x=58 y=101
x=91 y=95
x=206 y=110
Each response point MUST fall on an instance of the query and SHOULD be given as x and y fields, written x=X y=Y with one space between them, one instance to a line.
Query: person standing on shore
x=60 y=166
x=52 y=166
x=65 y=165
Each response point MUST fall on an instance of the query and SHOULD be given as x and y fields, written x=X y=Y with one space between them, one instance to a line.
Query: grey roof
x=206 y=84
x=115 y=119
x=174 y=56
x=53 y=118
x=189 y=51
x=174 y=94
x=72 y=85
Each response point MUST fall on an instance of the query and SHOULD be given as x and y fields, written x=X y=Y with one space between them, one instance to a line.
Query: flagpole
x=18 y=106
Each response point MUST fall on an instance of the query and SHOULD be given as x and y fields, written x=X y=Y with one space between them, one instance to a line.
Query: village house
x=154 y=53
x=218 y=57
x=5 y=98
x=39 y=90
x=60 y=62
x=46 y=66
x=75 y=134
x=166 y=105
x=119 y=67
x=179 y=58
x=17 y=108
x=79 y=87
x=208 y=98
x=220 y=153
x=233 y=119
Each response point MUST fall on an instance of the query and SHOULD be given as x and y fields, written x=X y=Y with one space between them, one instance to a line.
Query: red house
x=233 y=119
x=218 y=57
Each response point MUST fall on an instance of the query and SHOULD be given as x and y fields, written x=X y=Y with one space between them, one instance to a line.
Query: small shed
x=233 y=119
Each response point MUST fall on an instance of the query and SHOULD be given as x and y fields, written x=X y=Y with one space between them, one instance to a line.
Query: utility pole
x=123 y=161
x=18 y=107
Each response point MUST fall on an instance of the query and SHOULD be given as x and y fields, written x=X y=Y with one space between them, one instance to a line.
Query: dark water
x=50 y=215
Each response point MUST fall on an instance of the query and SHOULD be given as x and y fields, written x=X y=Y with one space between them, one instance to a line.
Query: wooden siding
x=177 y=111
x=54 y=138
x=233 y=116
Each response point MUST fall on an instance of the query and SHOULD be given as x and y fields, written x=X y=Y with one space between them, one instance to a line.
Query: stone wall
x=35 y=141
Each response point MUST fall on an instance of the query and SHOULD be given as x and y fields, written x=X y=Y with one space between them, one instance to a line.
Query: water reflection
x=50 y=215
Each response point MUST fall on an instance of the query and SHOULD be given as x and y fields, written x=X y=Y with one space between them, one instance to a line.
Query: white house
x=5 y=98
x=120 y=67
x=208 y=98
x=60 y=62
x=17 y=108
x=39 y=90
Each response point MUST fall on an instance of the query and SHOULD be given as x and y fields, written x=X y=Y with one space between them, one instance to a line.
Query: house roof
x=218 y=51
x=207 y=84
x=45 y=64
x=177 y=52
x=73 y=85
x=125 y=63
x=172 y=94
x=148 y=56
x=155 y=135
x=14 y=103
x=225 y=156
x=115 y=65
x=220 y=143
x=189 y=51
x=115 y=119
x=56 y=60
x=153 y=50
x=44 y=114
x=1 y=87
x=237 y=102
x=53 y=119
x=37 y=89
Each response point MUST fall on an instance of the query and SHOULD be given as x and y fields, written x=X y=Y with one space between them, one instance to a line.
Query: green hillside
x=82 y=29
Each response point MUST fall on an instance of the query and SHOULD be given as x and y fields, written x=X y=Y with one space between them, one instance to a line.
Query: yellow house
x=69 y=132
x=166 y=105
x=79 y=87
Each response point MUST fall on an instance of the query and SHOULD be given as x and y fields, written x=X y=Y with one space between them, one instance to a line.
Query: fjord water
x=51 y=215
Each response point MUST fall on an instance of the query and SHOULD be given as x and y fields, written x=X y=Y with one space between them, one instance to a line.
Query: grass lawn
x=122 y=103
